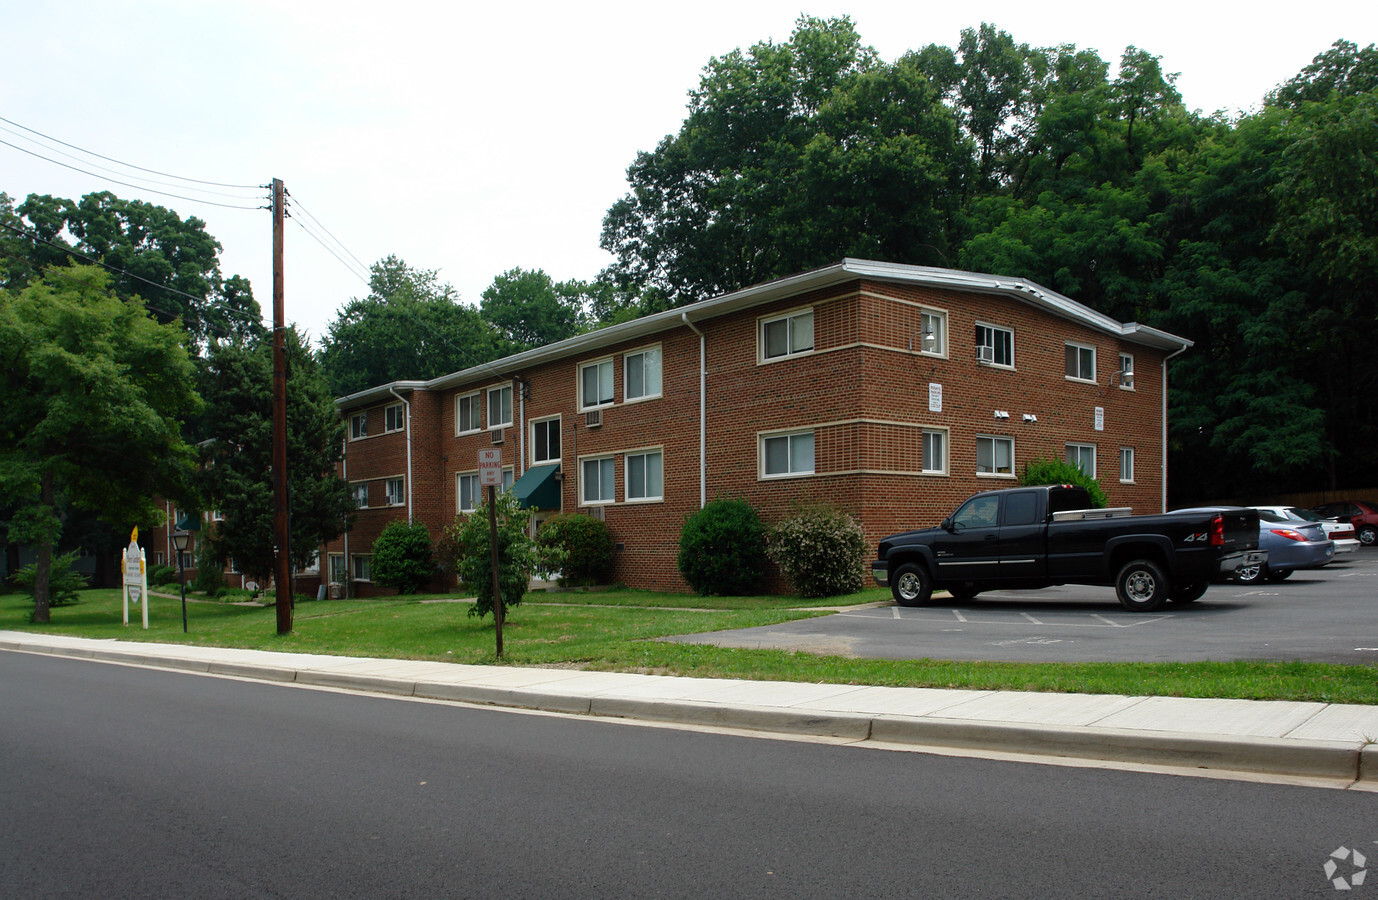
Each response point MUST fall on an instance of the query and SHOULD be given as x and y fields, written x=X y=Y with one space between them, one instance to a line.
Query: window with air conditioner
x=995 y=345
x=395 y=492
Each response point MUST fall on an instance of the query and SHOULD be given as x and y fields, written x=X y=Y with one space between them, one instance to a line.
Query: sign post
x=490 y=476
x=134 y=564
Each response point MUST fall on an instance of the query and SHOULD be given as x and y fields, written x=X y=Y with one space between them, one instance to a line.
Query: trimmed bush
x=63 y=580
x=161 y=575
x=722 y=549
x=1058 y=471
x=586 y=543
x=821 y=550
x=402 y=557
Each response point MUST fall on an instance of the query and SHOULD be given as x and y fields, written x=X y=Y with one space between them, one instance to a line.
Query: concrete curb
x=1342 y=760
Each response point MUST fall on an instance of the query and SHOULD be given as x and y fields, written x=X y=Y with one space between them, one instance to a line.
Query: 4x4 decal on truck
x=1196 y=537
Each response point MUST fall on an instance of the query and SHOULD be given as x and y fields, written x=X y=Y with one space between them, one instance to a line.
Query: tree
x=1343 y=70
x=518 y=554
x=94 y=393
x=410 y=326
x=236 y=473
x=529 y=310
x=402 y=556
x=172 y=263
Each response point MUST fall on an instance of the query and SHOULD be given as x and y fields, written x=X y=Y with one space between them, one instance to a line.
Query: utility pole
x=282 y=569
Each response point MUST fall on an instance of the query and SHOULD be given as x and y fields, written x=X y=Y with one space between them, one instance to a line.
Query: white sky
x=474 y=138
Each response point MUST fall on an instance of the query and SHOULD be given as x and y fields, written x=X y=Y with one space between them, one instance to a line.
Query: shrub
x=821 y=550
x=63 y=580
x=161 y=575
x=402 y=557
x=722 y=548
x=518 y=555
x=210 y=569
x=586 y=544
x=1057 y=471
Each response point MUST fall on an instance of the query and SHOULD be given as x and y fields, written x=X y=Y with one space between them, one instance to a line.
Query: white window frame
x=394 y=418
x=1081 y=351
x=601 y=460
x=986 y=338
x=1126 y=465
x=996 y=440
x=1079 y=451
x=927 y=316
x=504 y=393
x=765 y=438
x=360 y=489
x=641 y=458
x=337 y=575
x=536 y=446
x=395 y=491
x=793 y=323
x=609 y=382
x=367 y=567
x=474 y=403
x=358 y=426
x=941 y=436
x=645 y=353
x=475 y=492
x=1126 y=367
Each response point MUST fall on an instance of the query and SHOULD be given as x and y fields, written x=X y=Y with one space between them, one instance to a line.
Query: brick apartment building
x=891 y=391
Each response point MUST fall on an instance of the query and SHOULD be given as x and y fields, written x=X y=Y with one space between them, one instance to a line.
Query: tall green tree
x=410 y=326
x=236 y=473
x=529 y=310
x=94 y=392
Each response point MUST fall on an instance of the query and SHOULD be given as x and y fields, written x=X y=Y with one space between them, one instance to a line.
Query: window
x=185 y=560
x=934 y=457
x=358 y=426
x=1126 y=372
x=995 y=345
x=467 y=492
x=158 y=558
x=361 y=494
x=787 y=454
x=1021 y=508
x=395 y=492
x=363 y=567
x=645 y=475
x=595 y=384
x=500 y=406
x=509 y=478
x=545 y=441
x=787 y=335
x=217 y=516
x=1083 y=456
x=994 y=456
x=932 y=332
x=1081 y=362
x=1127 y=464
x=597 y=481
x=337 y=568
x=394 y=418
x=467 y=416
x=642 y=373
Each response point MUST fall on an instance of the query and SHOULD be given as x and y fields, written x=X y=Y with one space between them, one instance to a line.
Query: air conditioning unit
x=497 y=435
x=985 y=354
x=593 y=418
x=598 y=512
x=336 y=591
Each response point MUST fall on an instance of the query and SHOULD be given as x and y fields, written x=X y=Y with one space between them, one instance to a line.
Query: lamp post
x=182 y=541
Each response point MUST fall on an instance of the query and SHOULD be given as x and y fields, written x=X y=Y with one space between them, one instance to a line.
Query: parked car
x=1291 y=545
x=1362 y=514
x=1342 y=533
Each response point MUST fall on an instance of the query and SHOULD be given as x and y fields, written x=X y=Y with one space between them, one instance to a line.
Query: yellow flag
x=134 y=535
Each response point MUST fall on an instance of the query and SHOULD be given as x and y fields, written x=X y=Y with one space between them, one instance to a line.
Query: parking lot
x=1325 y=615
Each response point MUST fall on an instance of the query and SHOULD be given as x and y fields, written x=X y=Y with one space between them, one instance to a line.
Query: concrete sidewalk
x=1325 y=741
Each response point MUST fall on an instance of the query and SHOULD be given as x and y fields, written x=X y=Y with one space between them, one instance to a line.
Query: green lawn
x=615 y=631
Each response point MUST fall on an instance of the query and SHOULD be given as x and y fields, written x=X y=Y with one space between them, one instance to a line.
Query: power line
x=328 y=249
x=337 y=241
x=128 y=165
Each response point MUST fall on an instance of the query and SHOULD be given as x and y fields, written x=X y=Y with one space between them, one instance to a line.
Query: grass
x=616 y=631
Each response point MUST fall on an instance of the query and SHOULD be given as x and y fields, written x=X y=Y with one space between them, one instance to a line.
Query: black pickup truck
x=1034 y=537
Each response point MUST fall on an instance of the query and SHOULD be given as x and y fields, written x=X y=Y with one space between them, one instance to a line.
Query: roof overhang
x=378 y=394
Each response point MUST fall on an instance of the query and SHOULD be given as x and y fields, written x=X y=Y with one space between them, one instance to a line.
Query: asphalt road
x=119 y=781
x=1325 y=615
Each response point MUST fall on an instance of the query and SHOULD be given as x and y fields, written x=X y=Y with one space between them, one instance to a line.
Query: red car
x=1362 y=514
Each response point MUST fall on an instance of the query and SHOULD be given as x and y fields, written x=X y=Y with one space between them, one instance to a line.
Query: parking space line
x=1031 y=618
x=960 y=617
x=896 y=611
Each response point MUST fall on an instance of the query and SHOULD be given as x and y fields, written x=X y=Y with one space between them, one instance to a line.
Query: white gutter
x=703 y=411
x=1163 y=480
x=393 y=391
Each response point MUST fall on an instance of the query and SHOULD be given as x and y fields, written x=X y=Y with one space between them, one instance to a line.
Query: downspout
x=521 y=435
x=392 y=390
x=348 y=563
x=703 y=411
x=1163 y=479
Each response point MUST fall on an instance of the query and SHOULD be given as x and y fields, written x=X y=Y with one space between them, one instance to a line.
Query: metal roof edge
x=364 y=397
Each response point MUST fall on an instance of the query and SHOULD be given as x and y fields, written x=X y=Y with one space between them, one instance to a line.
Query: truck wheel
x=1188 y=593
x=1142 y=585
x=913 y=586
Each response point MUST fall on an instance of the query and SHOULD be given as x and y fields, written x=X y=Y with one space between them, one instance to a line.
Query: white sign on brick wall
x=935 y=397
x=1100 y=418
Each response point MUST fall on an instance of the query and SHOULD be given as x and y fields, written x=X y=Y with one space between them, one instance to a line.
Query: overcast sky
x=474 y=138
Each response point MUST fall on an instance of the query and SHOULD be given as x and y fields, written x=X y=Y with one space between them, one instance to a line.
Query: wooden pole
x=282 y=569
x=493 y=543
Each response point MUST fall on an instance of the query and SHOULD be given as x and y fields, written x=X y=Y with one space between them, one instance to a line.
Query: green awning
x=539 y=487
